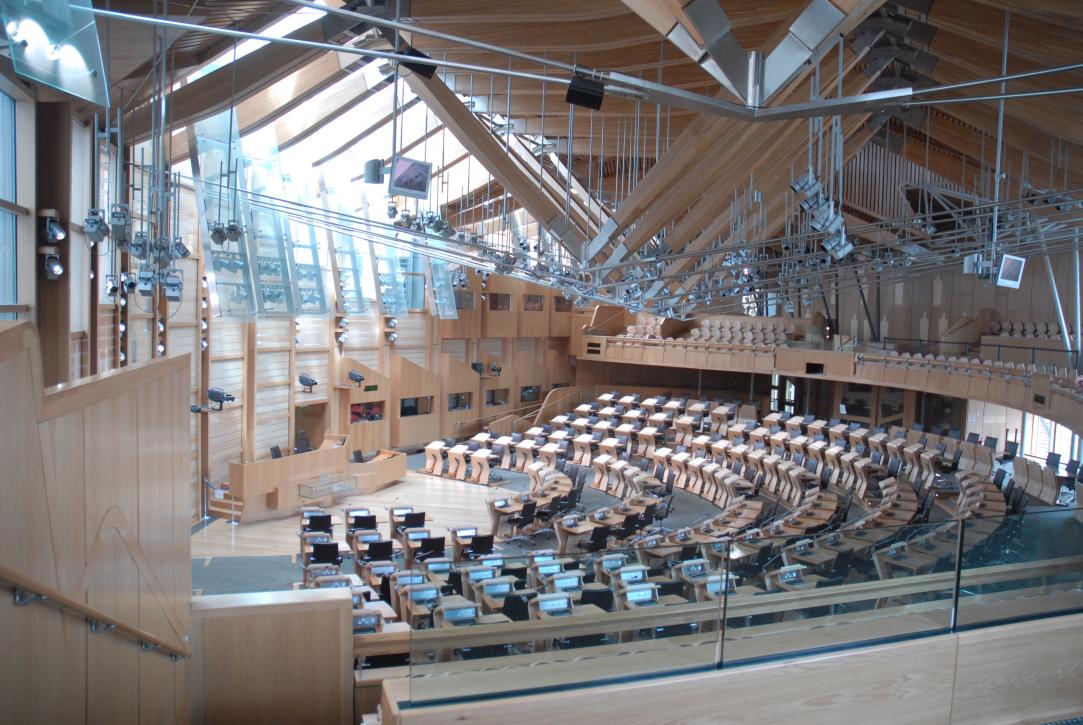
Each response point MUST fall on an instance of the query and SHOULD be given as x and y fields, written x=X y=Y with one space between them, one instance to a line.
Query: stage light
x=53 y=268
x=145 y=280
x=495 y=369
x=160 y=348
x=219 y=396
x=344 y=323
x=218 y=233
x=392 y=210
x=120 y=224
x=53 y=231
x=234 y=231
x=307 y=382
x=180 y=249
x=122 y=328
x=203 y=323
x=94 y=226
x=356 y=377
x=342 y=337
x=391 y=337
x=161 y=325
x=203 y=344
x=138 y=246
x=391 y=322
x=112 y=289
x=122 y=356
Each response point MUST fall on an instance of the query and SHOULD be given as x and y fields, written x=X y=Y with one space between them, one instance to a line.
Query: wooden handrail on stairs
x=28 y=590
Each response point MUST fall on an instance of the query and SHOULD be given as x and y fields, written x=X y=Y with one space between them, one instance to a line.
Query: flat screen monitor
x=424 y=595
x=366 y=622
x=543 y=556
x=696 y=569
x=495 y=561
x=409 y=177
x=352 y=513
x=417 y=535
x=569 y=521
x=566 y=583
x=500 y=503
x=609 y=563
x=631 y=575
x=640 y=596
x=383 y=569
x=549 y=569
x=476 y=575
x=466 y=533
x=460 y=613
x=1011 y=271
x=437 y=567
x=368 y=538
x=556 y=604
x=496 y=588
x=401 y=510
x=404 y=579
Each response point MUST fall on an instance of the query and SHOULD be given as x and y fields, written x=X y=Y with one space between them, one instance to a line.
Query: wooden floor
x=450 y=503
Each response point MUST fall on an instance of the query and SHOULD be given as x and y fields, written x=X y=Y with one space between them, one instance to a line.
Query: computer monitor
x=409 y=177
x=366 y=623
x=695 y=568
x=802 y=546
x=436 y=566
x=497 y=587
x=714 y=584
x=367 y=537
x=790 y=573
x=424 y=594
x=546 y=555
x=406 y=578
x=354 y=513
x=466 y=533
x=461 y=614
x=494 y=561
x=570 y=521
x=401 y=510
x=1011 y=271
x=550 y=568
x=630 y=574
x=567 y=583
x=480 y=573
x=611 y=562
x=641 y=596
x=500 y=503
x=384 y=569
x=555 y=604
x=417 y=535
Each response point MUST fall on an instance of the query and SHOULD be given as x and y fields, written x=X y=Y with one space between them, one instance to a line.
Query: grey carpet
x=237 y=574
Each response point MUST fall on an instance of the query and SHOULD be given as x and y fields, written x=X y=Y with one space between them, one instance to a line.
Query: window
x=496 y=397
x=366 y=412
x=529 y=394
x=464 y=299
x=8 y=253
x=561 y=304
x=412 y=268
x=415 y=406
x=460 y=401
x=499 y=302
x=533 y=303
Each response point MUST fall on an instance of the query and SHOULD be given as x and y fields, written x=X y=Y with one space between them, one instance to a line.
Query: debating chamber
x=409 y=362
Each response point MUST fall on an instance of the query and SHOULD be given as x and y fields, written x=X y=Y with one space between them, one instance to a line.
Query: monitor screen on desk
x=368 y=538
x=524 y=498
x=353 y=513
x=641 y=596
x=409 y=578
x=628 y=575
x=382 y=569
x=494 y=561
x=554 y=604
x=497 y=587
x=714 y=584
x=437 y=567
x=365 y=622
x=610 y=563
x=401 y=510
x=790 y=573
x=426 y=594
x=601 y=515
x=480 y=573
x=547 y=555
x=466 y=533
x=500 y=503
x=417 y=535
x=550 y=568
x=802 y=546
x=459 y=614
x=684 y=535
x=309 y=514
x=566 y=583
x=570 y=521
x=698 y=568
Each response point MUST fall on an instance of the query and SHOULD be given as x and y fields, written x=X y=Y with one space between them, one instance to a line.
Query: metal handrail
x=28 y=591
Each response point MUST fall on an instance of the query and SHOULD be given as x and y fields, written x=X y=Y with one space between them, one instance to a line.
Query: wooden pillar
x=54 y=192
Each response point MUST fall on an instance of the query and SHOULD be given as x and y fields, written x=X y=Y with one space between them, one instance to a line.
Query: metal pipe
x=1078 y=311
x=1056 y=301
x=1000 y=143
x=1000 y=79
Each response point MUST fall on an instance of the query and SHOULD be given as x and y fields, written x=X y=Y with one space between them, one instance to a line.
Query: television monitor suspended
x=409 y=177
x=1011 y=271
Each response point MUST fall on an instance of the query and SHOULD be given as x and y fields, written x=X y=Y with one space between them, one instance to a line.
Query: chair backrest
x=599 y=536
x=432 y=545
x=381 y=550
x=303 y=444
x=413 y=520
x=482 y=544
x=358 y=456
x=601 y=598
x=516 y=607
x=1052 y=460
x=363 y=522
x=530 y=510
x=319 y=522
x=325 y=554
x=991 y=443
x=276 y=452
x=455 y=581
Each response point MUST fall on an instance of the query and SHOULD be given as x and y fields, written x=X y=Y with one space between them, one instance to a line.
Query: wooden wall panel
x=497 y=323
x=283 y=657
x=106 y=524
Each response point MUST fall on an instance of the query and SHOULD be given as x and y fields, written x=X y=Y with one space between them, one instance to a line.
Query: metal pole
x=1000 y=143
x=1056 y=301
x=1078 y=300
x=958 y=575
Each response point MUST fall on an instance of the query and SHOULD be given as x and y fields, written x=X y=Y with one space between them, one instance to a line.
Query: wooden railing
x=28 y=591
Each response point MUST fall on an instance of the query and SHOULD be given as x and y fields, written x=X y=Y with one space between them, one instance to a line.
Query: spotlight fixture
x=391 y=336
x=495 y=369
x=145 y=280
x=307 y=382
x=160 y=348
x=234 y=231
x=138 y=246
x=180 y=249
x=120 y=224
x=203 y=344
x=203 y=323
x=391 y=323
x=392 y=210
x=95 y=227
x=53 y=231
x=218 y=233
x=53 y=268
x=112 y=289
x=342 y=337
x=344 y=323
x=219 y=397
x=356 y=377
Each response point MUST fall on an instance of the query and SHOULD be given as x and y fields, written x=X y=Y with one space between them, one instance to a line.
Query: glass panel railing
x=802 y=593
x=521 y=624
x=1023 y=566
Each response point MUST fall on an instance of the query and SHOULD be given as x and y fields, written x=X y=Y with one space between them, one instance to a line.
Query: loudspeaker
x=585 y=92
x=374 y=171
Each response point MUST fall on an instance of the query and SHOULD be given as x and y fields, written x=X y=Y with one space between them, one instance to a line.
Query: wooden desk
x=456 y=461
x=434 y=458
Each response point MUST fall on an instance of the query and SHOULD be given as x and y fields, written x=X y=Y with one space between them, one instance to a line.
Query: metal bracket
x=148 y=646
x=96 y=626
x=24 y=597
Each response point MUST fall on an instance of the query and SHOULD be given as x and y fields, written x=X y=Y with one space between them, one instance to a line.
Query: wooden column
x=54 y=192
